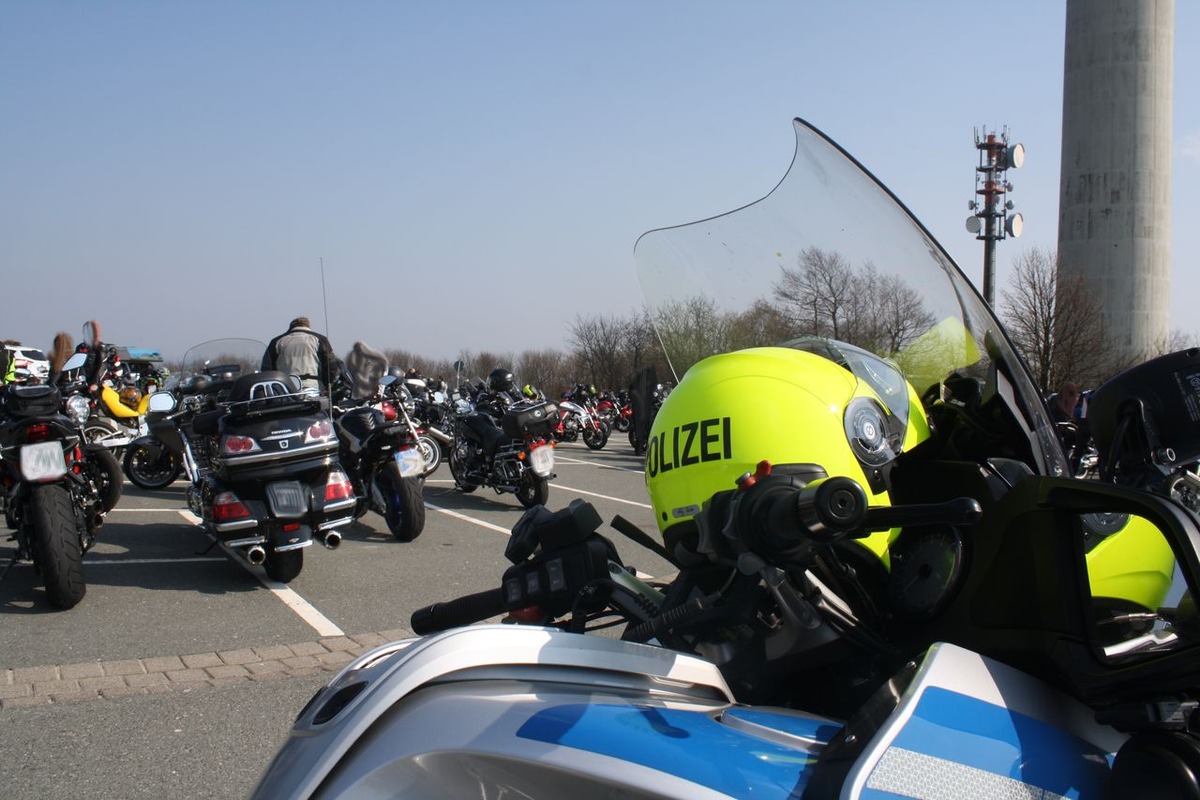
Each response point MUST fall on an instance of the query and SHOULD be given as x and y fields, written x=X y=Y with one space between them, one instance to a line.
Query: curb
x=25 y=687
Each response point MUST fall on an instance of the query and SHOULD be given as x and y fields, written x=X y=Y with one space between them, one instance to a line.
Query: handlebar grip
x=460 y=611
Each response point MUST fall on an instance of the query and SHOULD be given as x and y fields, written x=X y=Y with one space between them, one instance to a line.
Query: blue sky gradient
x=473 y=175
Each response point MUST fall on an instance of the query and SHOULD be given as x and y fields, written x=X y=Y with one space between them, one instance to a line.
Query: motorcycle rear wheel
x=285 y=566
x=57 y=546
x=534 y=491
x=151 y=468
x=405 y=503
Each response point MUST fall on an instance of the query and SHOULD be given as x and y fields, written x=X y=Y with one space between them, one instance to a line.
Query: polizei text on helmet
x=690 y=443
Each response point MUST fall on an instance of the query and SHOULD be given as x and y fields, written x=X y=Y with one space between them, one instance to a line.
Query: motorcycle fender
x=280 y=539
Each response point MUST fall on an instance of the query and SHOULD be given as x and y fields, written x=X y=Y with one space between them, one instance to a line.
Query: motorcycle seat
x=483 y=429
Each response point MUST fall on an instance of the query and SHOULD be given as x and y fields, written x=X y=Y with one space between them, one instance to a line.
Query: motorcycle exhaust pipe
x=332 y=540
x=256 y=555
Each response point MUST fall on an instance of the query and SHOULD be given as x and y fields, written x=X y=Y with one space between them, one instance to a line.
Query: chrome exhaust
x=256 y=555
x=332 y=540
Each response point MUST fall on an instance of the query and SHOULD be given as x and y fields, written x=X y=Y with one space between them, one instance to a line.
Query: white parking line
x=302 y=608
x=471 y=520
x=557 y=457
x=604 y=496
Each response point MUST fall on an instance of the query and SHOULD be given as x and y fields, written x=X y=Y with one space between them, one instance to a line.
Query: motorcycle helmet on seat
x=500 y=380
x=782 y=405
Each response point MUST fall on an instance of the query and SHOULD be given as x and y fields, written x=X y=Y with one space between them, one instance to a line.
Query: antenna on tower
x=324 y=300
x=996 y=157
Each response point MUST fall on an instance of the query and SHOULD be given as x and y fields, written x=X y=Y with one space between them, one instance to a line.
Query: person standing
x=302 y=351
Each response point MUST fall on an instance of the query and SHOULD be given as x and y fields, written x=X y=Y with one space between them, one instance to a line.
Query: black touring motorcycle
x=260 y=453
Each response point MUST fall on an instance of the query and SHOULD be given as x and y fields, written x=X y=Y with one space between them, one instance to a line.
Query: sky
x=471 y=175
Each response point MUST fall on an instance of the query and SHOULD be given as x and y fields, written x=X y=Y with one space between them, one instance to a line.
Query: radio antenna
x=324 y=300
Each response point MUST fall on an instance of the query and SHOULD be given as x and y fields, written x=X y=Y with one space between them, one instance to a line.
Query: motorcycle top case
x=533 y=417
x=42 y=400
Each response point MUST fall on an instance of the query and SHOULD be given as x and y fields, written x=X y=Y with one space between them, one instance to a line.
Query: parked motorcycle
x=378 y=448
x=888 y=584
x=615 y=409
x=505 y=445
x=56 y=486
x=577 y=419
x=429 y=412
x=261 y=456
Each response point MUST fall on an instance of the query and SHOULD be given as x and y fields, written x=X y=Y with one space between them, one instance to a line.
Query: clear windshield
x=831 y=254
x=223 y=358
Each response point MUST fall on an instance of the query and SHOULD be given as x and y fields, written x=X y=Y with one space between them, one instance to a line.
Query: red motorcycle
x=615 y=409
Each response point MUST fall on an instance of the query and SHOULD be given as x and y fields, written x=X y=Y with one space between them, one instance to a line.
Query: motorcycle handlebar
x=461 y=611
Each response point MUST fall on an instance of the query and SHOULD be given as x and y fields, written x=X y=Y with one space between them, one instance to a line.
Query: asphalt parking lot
x=181 y=670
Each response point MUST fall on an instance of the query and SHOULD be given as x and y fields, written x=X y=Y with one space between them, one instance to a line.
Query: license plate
x=43 y=461
x=287 y=499
x=411 y=462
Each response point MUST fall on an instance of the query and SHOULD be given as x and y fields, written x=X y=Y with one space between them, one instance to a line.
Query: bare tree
x=817 y=292
x=598 y=343
x=1054 y=321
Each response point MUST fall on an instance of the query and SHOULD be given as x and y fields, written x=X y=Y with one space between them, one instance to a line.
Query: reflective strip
x=916 y=775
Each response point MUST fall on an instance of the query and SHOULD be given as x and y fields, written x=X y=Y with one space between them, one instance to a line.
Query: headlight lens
x=78 y=409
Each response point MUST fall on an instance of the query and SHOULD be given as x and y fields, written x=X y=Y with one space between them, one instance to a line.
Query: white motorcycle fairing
x=503 y=710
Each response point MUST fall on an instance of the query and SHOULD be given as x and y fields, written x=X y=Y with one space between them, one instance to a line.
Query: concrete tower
x=1115 y=205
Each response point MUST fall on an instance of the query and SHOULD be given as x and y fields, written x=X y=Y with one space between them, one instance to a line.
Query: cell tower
x=992 y=221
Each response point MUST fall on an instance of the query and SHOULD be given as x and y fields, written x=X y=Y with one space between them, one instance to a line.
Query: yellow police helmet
x=844 y=411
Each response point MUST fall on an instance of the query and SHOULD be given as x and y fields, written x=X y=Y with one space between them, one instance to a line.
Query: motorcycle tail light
x=38 y=432
x=389 y=410
x=291 y=527
x=318 y=432
x=337 y=486
x=227 y=506
x=234 y=445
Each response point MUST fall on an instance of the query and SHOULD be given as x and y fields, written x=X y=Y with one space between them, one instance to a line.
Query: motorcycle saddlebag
x=532 y=417
x=42 y=400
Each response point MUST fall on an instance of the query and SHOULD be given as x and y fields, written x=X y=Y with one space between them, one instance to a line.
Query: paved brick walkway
x=92 y=680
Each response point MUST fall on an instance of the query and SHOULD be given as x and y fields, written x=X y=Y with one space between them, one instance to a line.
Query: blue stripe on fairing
x=688 y=744
x=969 y=731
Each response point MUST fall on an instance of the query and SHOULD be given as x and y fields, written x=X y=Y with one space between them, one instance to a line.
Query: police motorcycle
x=905 y=595
x=260 y=453
x=55 y=486
x=504 y=441
x=378 y=448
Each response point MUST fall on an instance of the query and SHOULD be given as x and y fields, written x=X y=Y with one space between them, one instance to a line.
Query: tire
x=56 y=544
x=431 y=451
x=405 y=503
x=459 y=473
x=534 y=491
x=595 y=438
x=285 y=566
x=149 y=467
x=108 y=477
x=99 y=428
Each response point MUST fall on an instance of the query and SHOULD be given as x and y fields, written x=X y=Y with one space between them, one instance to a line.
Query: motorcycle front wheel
x=56 y=544
x=595 y=438
x=431 y=451
x=534 y=491
x=108 y=478
x=149 y=467
x=405 y=504
x=458 y=471
x=285 y=566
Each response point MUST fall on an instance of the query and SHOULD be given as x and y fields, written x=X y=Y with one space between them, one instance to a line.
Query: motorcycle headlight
x=78 y=409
